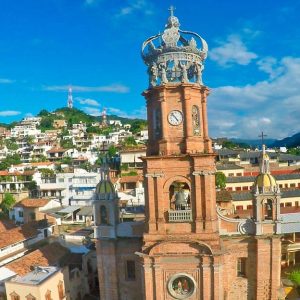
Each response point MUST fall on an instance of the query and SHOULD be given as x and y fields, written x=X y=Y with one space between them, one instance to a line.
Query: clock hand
x=175 y=118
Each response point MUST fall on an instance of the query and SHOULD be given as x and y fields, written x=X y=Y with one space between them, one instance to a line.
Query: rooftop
x=50 y=255
x=32 y=202
x=17 y=234
x=37 y=276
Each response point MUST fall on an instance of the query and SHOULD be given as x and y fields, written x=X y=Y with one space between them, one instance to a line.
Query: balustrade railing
x=180 y=216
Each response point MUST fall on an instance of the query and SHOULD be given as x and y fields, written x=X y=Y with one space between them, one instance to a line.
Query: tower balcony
x=180 y=216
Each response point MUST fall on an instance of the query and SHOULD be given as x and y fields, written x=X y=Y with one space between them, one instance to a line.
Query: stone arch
x=194 y=248
x=170 y=180
x=177 y=191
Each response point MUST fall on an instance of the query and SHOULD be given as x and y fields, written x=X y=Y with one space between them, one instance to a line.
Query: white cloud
x=114 y=88
x=92 y=111
x=6 y=80
x=271 y=105
x=9 y=113
x=135 y=6
x=232 y=51
x=270 y=66
x=88 y=101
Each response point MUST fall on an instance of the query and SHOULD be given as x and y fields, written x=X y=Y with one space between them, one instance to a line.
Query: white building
x=71 y=188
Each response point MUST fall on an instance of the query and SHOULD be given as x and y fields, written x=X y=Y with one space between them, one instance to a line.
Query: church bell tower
x=181 y=256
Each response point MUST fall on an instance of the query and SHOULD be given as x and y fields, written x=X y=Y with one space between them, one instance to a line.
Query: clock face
x=175 y=117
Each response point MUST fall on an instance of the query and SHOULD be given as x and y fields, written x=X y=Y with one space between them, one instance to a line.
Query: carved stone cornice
x=155 y=175
x=204 y=173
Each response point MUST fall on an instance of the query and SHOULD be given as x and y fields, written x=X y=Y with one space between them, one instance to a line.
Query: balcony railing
x=177 y=216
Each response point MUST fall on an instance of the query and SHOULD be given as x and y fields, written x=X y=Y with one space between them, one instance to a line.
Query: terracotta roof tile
x=55 y=150
x=16 y=234
x=33 y=202
x=49 y=255
x=6 y=225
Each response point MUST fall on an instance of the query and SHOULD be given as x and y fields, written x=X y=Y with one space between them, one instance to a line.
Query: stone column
x=150 y=203
x=148 y=280
x=197 y=203
x=206 y=278
x=275 y=267
x=159 y=283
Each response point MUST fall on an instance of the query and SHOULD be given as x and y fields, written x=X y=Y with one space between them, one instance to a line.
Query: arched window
x=103 y=215
x=30 y=297
x=179 y=195
x=196 y=120
x=268 y=209
x=61 y=292
x=48 y=295
x=14 y=296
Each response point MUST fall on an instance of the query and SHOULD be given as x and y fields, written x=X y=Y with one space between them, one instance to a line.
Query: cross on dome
x=171 y=9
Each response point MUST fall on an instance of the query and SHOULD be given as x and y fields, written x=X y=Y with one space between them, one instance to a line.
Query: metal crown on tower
x=174 y=56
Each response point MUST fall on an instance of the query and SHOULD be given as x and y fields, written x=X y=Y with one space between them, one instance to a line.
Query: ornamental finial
x=171 y=9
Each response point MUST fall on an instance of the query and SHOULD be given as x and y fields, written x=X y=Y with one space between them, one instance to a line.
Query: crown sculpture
x=174 y=56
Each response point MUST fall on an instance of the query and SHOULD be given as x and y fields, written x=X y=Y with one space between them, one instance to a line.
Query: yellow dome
x=265 y=181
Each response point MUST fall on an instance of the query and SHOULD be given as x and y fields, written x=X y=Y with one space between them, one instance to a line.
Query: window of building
x=238 y=174
x=292 y=185
x=14 y=296
x=280 y=185
x=249 y=206
x=245 y=188
x=288 y=204
x=239 y=207
x=296 y=203
x=61 y=180
x=130 y=270
x=30 y=297
x=229 y=189
x=61 y=292
x=48 y=295
x=238 y=188
x=241 y=266
x=20 y=214
x=32 y=216
x=281 y=204
x=230 y=174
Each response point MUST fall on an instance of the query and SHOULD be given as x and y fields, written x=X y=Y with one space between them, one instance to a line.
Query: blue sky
x=253 y=66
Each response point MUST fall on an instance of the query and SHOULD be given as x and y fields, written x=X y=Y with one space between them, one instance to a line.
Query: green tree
x=112 y=151
x=294 y=151
x=66 y=160
x=46 y=123
x=7 y=203
x=32 y=185
x=138 y=125
x=14 y=159
x=129 y=141
x=220 y=180
x=66 y=144
x=11 y=144
x=43 y=113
